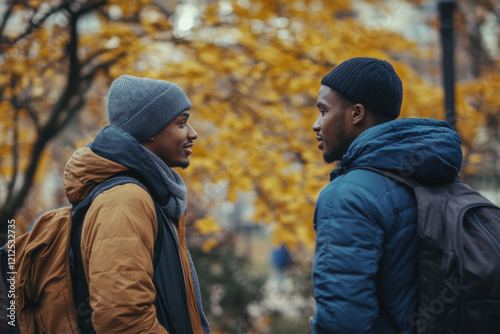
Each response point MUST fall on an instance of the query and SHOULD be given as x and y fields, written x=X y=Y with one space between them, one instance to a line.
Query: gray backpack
x=458 y=249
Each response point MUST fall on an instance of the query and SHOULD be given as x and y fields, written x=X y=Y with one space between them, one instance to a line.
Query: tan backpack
x=43 y=291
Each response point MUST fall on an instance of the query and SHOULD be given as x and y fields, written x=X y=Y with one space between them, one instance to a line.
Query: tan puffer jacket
x=117 y=249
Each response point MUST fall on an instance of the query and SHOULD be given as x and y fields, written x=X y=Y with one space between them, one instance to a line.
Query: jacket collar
x=112 y=151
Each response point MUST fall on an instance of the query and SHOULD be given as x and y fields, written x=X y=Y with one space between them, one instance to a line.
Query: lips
x=187 y=148
x=320 y=144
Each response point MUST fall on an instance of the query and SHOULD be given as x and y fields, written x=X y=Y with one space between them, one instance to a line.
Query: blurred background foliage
x=252 y=70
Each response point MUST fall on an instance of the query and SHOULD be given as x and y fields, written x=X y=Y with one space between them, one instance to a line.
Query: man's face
x=173 y=144
x=330 y=127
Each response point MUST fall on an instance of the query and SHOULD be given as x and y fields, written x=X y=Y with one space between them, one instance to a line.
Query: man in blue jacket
x=364 y=269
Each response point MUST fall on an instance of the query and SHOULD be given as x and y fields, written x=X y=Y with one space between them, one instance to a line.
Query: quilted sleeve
x=117 y=250
x=349 y=244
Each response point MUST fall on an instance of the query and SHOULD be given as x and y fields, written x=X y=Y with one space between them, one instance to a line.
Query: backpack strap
x=391 y=175
x=80 y=285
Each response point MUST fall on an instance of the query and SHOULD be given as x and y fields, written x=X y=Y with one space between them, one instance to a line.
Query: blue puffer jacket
x=365 y=262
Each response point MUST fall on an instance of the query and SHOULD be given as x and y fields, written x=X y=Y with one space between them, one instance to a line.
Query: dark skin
x=173 y=144
x=339 y=123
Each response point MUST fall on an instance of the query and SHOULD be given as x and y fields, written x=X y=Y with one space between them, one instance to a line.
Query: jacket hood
x=427 y=150
x=113 y=151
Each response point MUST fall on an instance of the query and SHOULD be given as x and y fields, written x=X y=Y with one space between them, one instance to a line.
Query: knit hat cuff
x=157 y=114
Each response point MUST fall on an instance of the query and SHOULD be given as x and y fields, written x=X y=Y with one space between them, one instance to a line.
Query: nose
x=317 y=124
x=192 y=134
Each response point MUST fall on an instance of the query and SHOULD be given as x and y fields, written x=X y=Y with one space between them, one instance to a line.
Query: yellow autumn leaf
x=208 y=245
x=207 y=225
x=253 y=78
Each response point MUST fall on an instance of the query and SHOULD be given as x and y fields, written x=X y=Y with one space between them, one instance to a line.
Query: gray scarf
x=177 y=203
x=175 y=208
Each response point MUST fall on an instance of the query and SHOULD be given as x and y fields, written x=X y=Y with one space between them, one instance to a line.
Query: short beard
x=183 y=165
x=329 y=157
x=177 y=164
x=333 y=156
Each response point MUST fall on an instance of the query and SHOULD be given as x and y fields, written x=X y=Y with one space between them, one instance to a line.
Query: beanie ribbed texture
x=143 y=106
x=369 y=81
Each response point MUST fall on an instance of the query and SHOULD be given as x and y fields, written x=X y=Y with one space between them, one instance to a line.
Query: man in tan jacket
x=133 y=272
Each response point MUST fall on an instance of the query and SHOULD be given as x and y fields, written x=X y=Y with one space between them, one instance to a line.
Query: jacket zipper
x=486 y=231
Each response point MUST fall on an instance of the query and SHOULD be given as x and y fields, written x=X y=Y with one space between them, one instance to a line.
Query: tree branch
x=15 y=155
x=90 y=76
x=33 y=26
x=88 y=8
x=85 y=84
x=6 y=17
x=162 y=6
x=52 y=127
x=32 y=115
x=63 y=6
x=93 y=56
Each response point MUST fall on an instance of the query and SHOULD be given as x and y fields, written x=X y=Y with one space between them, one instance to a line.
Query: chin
x=330 y=157
x=178 y=164
x=183 y=164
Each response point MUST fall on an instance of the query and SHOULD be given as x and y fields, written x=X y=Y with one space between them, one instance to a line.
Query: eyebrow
x=185 y=114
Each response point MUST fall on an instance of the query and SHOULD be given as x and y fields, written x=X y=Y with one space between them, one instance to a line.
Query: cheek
x=331 y=131
x=326 y=125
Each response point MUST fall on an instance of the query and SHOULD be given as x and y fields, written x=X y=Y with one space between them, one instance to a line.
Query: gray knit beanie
x=369 y=81
x=143 y=107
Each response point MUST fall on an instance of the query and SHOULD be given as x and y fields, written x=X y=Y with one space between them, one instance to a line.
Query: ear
x=359 y=114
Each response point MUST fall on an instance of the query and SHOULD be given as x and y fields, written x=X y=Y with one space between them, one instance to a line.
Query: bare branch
x=6 y=17
x=93 y=56
x=50 y=129
x=35 y=25
x=15 y=154
x=162 y=6
x=71 y=112
x=32 y=115
x=88 y=8
x=90 y=76
x=85 y=84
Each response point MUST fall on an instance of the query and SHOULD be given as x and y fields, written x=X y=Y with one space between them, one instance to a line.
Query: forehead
x=327 y=96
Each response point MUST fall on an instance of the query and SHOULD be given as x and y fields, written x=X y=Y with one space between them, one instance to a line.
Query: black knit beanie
x=369 y=81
